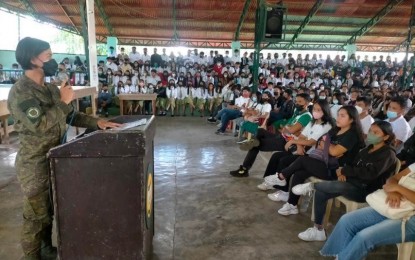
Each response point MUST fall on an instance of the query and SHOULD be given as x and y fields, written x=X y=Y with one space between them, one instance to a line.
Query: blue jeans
x=330 y=189
x=360 y=231
x=228 y=115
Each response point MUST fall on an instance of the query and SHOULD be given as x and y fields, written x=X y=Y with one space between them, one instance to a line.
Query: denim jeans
x=330 y=189
x=228 y=115
x=360 y=231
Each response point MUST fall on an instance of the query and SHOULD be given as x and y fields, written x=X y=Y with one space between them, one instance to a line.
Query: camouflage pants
x=37 y=209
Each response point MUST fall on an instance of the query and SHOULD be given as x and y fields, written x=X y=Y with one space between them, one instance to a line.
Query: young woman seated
x=368 y=173
x=268 y=142
x=256 y=117
x=346 y=139
x=319 y=125
x=360 y=231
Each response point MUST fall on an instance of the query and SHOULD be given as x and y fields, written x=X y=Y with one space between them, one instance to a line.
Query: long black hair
x=327 y=118
x=387 y=129
x=356 y=125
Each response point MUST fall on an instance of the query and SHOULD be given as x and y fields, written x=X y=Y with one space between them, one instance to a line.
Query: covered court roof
x=374 y=25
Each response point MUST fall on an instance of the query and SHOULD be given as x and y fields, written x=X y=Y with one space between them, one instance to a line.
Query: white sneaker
x=303 y=189
x=279 y=196
x=288 y=209
x=219 y=125
x=265 y=186
x=274 y=180
x=313 y=234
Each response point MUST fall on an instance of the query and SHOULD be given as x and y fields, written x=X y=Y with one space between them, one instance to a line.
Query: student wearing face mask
x=236 y=110
x=102 y=77
x=256 y=117
x=363 y=106
x=313 y=95
x=40 y=111
x=368 y=172
x=400 y=127
x=104 y=99
x=346 y=139
x=321 y=123
x=337 y=103
x=110 y=78
x=135 y=78
x=171 y=93
x=266 y=141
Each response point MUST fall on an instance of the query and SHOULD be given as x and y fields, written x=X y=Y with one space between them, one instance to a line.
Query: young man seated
x=104 y=99
x=363 y=104
x=234 y=111
x=400 y=127
x=266 y=141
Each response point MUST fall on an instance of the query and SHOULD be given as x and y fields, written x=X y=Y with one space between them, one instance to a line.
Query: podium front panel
x=103 y=187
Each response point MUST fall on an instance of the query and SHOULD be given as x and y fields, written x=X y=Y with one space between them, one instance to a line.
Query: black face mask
x=299 y=107
x=50 y=67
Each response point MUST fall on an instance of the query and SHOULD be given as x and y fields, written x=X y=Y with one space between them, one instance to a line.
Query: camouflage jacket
x=41 y=117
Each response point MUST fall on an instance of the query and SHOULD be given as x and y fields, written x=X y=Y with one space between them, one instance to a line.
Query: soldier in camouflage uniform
x=41 y=112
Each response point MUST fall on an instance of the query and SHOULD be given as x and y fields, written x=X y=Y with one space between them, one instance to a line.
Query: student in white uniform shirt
x=320 y=124
x=400 y=127
x=182 y=98
x=256 y=117
x=171 y=93
x=363 y=105
x=135 y=78
x=134 y=55
x=130 y=89
x=141 y=89
x=200 y=93
x=191 y=98
x=337 y=102
x=235 y=111
x=211 y=96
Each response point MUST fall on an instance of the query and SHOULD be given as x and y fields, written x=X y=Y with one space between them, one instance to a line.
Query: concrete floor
x=201 y=212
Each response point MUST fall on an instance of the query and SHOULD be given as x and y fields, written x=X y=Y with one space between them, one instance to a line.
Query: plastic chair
x=329 y=204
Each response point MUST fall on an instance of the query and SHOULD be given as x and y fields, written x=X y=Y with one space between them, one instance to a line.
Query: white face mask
x=359 y=109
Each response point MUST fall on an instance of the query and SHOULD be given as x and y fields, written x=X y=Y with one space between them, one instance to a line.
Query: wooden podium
x=103 y=189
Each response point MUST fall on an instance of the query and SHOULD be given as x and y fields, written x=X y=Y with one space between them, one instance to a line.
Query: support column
x=92 y=44
x=259 y=26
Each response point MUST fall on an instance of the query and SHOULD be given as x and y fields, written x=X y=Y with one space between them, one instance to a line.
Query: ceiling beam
x=373 y=21
x=66 y=14
x=36 y=16
x=241 y=19
x=104 y=17
x=306 y=20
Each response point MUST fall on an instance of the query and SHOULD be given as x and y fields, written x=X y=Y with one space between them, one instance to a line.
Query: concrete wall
x=7 y=58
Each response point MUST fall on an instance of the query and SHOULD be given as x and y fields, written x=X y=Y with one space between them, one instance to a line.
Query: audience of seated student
x=319 y=125
x=266 y=141
x=401 y=128
x=285 y=111
x=369 y=171
x=256 y=117
x=363 y=106
x=346 y=139
x=360 y=231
